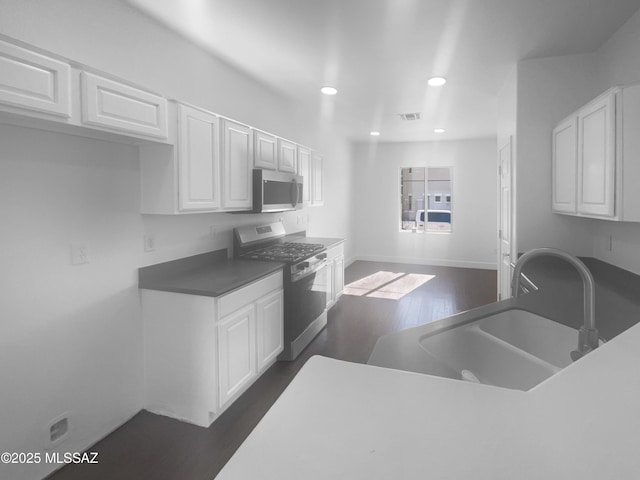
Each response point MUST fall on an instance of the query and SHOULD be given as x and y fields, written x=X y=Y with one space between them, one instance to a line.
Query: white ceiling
x=380 y=53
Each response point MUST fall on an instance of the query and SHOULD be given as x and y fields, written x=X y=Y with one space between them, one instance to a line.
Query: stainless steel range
x=305 y=280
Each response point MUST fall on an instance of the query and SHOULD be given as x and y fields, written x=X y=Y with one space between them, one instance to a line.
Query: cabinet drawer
x=233 y=301
x=115 y=106
x=33 y=81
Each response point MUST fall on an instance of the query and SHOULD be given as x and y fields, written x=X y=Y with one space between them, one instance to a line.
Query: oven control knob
x=302 y=265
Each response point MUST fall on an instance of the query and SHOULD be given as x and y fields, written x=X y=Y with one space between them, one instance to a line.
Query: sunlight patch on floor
x=389 y=285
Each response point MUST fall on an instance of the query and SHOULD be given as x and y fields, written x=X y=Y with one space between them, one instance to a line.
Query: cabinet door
x=116 y=106
x=317 y=180
x=236 y=352
x=564 y=166
x=265 y=150
x=304 y=169
x=596 y=157
x=287 y=156
x=270 y=331
x=237 y=164
x=330 y=284
x=338 y=277
x=35 y=82
x=198 y=160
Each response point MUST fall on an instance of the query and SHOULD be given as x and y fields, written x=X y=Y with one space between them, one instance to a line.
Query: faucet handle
x=588 y=339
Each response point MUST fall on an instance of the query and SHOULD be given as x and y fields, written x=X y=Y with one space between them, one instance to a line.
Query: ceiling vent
x=409 y=116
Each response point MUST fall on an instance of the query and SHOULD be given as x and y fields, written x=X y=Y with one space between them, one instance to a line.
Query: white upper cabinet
x=304 y=169
x=31 y=81
x=198 y=160
x=565 y=166
x=287 y=156
x=237 y=164
x=265 y=150
x=115 y=106
x=628 y=173
x=597 y=157
x=317 y=179
x=191 y=160
x=602 y=182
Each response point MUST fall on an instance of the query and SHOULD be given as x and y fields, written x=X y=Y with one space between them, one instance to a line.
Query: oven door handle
x=316 y=268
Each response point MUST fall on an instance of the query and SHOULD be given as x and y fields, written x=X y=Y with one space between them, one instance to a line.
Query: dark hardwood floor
x=155 y=447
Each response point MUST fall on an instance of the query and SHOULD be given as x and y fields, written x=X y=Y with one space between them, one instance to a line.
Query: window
x=425 y=199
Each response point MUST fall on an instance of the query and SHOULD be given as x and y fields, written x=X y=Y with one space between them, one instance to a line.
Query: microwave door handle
x=293 y=191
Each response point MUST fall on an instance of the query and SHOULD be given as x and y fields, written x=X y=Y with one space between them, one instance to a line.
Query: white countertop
x=340 y=420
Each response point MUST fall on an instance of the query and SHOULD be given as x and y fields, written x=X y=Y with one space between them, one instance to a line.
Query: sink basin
x=512 y=349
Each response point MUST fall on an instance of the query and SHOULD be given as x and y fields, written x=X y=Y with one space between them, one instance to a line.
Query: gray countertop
x=209 y=274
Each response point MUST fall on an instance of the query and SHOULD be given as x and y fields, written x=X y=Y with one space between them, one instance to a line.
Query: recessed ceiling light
x=439 y=130
x=329 y=90
x=436 y=81
x=374 y=134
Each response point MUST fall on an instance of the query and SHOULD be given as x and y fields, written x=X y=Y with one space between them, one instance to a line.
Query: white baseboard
x=427 y=261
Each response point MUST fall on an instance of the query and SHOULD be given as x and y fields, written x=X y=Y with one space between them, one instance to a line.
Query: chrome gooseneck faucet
x=588 y=334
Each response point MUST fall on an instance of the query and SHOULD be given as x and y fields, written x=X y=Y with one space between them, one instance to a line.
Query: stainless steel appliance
x=276 y=191
x=305 y=280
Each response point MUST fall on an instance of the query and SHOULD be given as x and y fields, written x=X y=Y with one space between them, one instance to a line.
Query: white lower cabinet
x=335 y=265
x=270 y=328
x=201 y=353
x=236 y=352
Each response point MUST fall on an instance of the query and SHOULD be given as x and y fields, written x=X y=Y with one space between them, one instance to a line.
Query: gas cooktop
x=289 y=252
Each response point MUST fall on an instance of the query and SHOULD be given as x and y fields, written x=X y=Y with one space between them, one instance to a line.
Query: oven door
x=306 y=299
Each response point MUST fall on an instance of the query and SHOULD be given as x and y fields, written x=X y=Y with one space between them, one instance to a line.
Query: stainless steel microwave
x=276 y=191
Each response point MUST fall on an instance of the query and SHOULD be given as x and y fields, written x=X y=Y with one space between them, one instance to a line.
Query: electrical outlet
x=79 y=254
x=149 y=243
x=57 y=430
x=610 y=243
x=213 y=231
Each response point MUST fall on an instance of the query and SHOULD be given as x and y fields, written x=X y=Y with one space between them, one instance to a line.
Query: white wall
x=71 y=336
x=377 y=203
x=548 y=90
